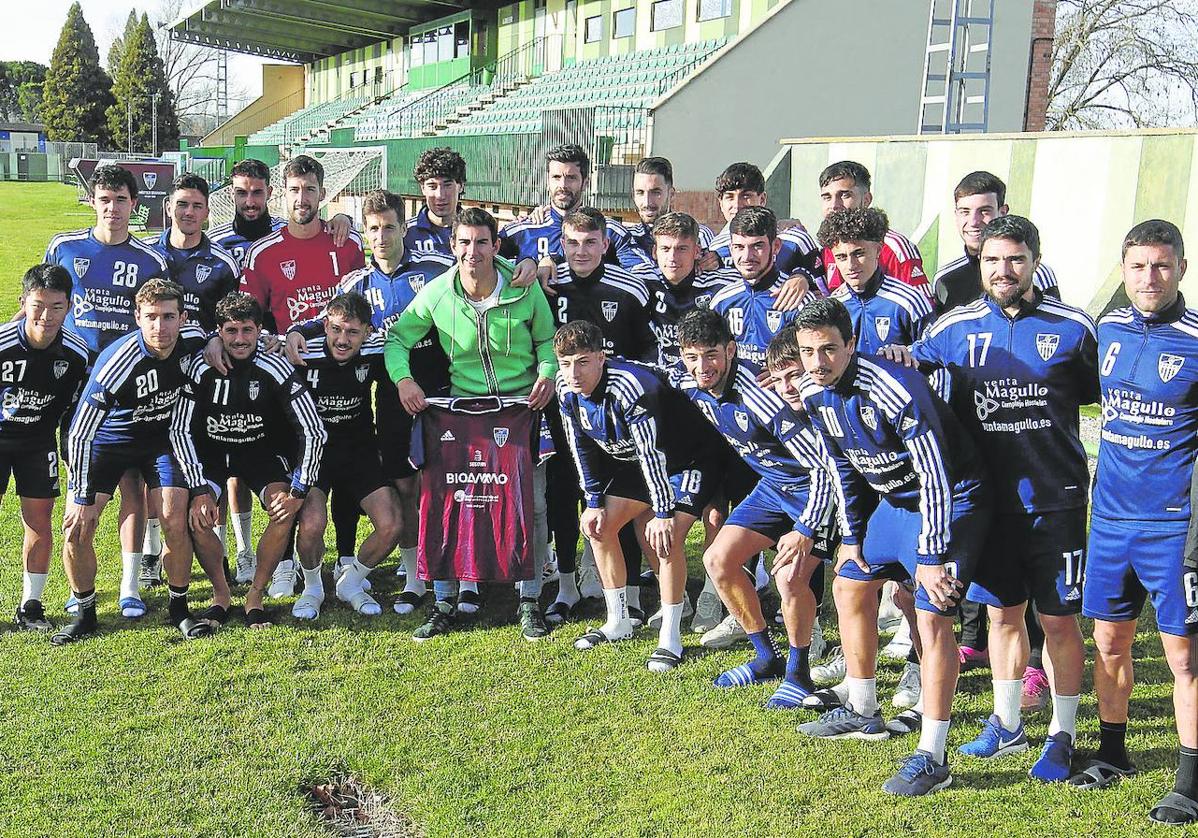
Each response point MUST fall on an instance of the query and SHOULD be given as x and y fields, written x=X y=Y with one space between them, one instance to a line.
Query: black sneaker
x=440 y=621
x=31 y=616
x=151 y=571
x=532 y=623
x=636 y=616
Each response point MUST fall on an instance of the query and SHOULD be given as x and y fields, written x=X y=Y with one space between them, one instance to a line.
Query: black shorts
x=694 y=485
x=155 y=463
x=353 y=470
x=394 y=434
x=34 y=468
x=255 y=465
x=1041 y=557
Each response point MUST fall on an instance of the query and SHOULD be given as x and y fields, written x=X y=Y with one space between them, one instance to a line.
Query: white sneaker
x=339 y=568
x=832 y=670
x=728 y=633
x=909 y=687
x=709 y=610
x=900 y=645
x=589 y=585
x=282 y=581
x=247 y=563
x=654 y=622
x=550 y=571
x=889 y=615
x=819 y=646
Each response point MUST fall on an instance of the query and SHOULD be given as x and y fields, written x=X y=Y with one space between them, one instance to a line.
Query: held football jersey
x=294 y=278
x=476 y=489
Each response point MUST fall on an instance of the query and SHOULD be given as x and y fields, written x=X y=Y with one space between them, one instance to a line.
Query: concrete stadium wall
x=802 y=73
x=1084 y=191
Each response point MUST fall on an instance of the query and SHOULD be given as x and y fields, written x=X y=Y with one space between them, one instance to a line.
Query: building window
x=417 y=51
x=712 y=9
x=353 y=80
x=461 y=39
x=623 y=23
x=666 y=14
x=593 y=30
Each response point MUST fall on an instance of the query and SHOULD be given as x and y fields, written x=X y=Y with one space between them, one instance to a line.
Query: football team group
x=813 y=396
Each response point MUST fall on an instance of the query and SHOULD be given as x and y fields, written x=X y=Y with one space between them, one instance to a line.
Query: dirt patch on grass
x=350 y=809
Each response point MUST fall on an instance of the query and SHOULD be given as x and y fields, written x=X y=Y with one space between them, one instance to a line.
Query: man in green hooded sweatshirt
x=499 y=340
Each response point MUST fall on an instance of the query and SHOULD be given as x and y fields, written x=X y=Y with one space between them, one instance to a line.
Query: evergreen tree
x=141 y=75
x=117 y=50
x=77 y=91
x=21 y=90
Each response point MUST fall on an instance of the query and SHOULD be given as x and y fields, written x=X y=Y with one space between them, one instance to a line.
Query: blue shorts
x=892 y=536
x=1130 y=560
x=156 y=465
x=773 y=511
x=1041 y=557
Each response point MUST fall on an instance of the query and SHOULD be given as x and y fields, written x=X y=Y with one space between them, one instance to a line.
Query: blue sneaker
x=1056 y=760
x=995 y=741
x=745 y=674
x=788 y=696
x=919 y=774
x=846 y=723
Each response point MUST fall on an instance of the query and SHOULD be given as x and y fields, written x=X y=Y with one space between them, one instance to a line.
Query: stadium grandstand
x=628 y=79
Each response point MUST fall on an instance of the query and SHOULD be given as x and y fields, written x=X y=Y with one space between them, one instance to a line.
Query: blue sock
x=767 y=652
x=797 y=669
x=444 y=591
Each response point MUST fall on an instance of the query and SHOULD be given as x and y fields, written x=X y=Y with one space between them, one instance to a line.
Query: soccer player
x=788 y=507
x=845 y=185
x=884 y=310
x=42 y=365
x=747 y=301
x=652 y=195
x=614 y=412
x=1141 y=505
x=979 y=198
x=498 y=338
x=568 y=175
x=121 y=425
x=441 y=174
x=888 y=433
x=257 y=422
x=1017 y=365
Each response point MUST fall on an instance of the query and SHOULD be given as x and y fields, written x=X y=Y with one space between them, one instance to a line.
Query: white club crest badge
x=773 y=319
x=149 y=179
x=869 y=416
x=500 y=435
x=609 y=310
x=81 y=265
x=416 y=281
x=1046 y=345
x=1168 y=366
x=288 y=269
x=703 y=301
x=882 y=327
x=202 y=274
x=60 y=368
x=742 y=420
x=361 y=373
x=255 y=389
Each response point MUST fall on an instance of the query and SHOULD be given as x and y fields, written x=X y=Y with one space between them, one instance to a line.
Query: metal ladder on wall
x=955 y=98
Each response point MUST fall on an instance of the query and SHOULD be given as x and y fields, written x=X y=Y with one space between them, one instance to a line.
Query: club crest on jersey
x=609 y=310
x=1168 y=366
x=149 y=179
x=773 y=319
x=255 y=389
x=703 y=301
x=417 y=282
x=1047 y=345
x=60 y=368
x=869 y=416
x=882 y=327
x=742 y=420
x=500 y=435
x=360 y=373
x=202 y=273
x=288 y=269
x=81 y=264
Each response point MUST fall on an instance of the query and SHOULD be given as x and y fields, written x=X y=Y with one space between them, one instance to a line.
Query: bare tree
x=1124 y=64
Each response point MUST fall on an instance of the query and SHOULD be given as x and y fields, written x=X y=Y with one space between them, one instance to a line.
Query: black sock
x=913 y=656
x=177 y=606
x=87 y=605
x=1112 y=744
x=1187 y=773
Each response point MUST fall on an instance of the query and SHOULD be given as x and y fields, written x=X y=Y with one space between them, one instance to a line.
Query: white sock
x=152 y=543
x=219 y=529
x=709 y=585
x=932 y=735
x=355 y=574
x=412 y=581
x=243 y=530
x=633 y=596
x=1064 y=715
x=617 y=611
x=918 y=708
x=35 y=583
x=1007 y=695
x=467 y=586
x=567 y=588
x=670 y=635
x=130 y=566
x=863 y=695
x=313 y=583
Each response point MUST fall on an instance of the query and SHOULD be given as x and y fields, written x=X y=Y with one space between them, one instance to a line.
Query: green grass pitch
x=137 y=733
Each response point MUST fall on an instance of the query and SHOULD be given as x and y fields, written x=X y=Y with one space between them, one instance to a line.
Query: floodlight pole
x=154 y=122
x=129 y=128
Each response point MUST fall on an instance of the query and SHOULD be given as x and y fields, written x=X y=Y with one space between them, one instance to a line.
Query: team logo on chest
x=60 y=368
x=202 y=273
x=773 y=319
x=609 y=310
x=882 y=327
x=255 y=389
x=417 y=282
x=1168 y=366
x=288 y=269
x=703 y=301
x=81 y=265
x=1047 y=345
x=742 y=420
x=149 y=179
x=869 y=416
x=500 y=436
x=361 y=372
